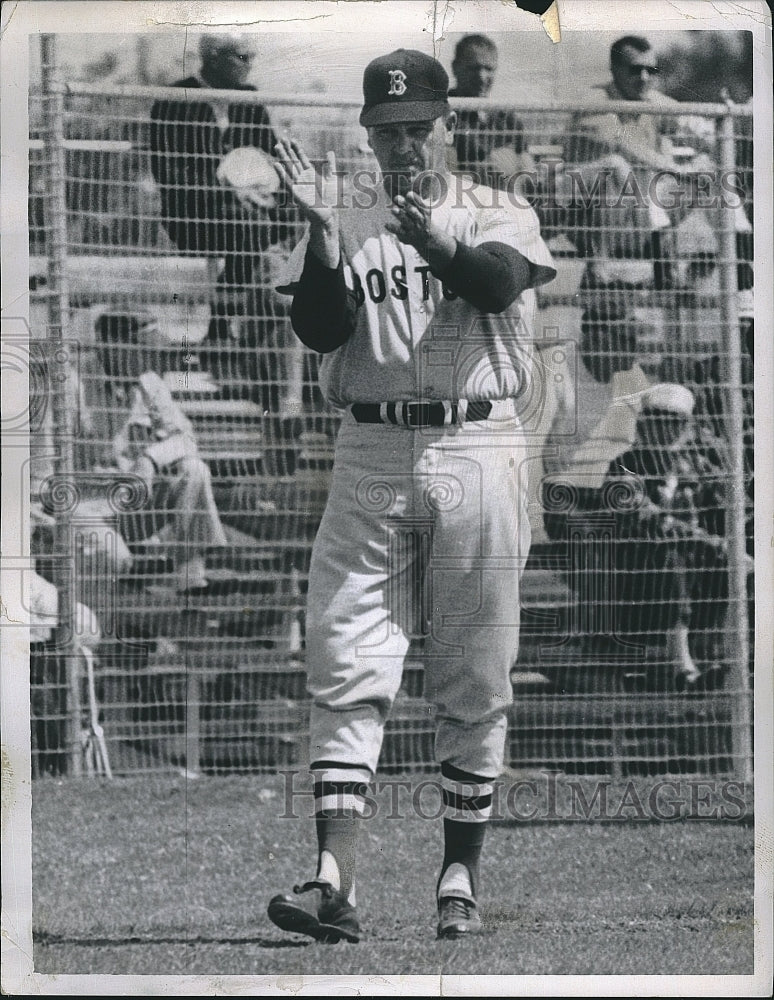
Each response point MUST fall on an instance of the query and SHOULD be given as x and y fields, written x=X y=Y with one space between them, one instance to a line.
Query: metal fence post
x=60 y=375
x=737 y=642
x=193 y=703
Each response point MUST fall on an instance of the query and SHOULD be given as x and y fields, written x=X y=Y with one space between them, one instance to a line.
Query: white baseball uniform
x=425 y=532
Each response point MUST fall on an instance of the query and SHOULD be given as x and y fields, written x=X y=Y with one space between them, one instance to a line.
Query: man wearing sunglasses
x=639 y=138
x=629 y=241
x=633 y=68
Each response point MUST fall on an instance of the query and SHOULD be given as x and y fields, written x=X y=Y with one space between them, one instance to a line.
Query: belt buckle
x=412 y=415
x=419 y=413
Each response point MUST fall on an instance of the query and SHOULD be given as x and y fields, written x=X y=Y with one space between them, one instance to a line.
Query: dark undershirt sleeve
x=323 y=311
x=490 y=276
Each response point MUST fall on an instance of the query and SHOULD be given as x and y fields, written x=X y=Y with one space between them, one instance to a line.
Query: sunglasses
x=637 y=70
x=244 y=57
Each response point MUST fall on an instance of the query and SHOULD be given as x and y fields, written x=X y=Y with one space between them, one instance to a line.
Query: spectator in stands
x=99 y=550
x=596 y=416
x=487 y=144
x=189 y=139
x=156 y=442
x=670 y=560
x=597 y=406
x=49 y=682
x=632 y=244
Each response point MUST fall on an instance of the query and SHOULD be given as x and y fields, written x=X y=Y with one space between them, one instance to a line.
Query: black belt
x=435 y=414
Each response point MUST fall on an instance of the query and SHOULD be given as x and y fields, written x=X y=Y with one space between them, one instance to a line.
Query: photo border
x=26 y=19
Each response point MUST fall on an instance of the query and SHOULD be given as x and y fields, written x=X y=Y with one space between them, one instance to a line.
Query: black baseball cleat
x=326 y=915
x=458 y=917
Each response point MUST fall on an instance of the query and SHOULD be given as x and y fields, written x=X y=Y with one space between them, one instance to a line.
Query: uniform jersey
x=414 y=338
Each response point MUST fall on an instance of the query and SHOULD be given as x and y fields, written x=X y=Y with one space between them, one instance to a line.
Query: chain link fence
x=182 y=451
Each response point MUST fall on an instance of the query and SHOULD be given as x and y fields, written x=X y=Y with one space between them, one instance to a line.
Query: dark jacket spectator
x=666 y=494
x=187 y=145
x=189 y=140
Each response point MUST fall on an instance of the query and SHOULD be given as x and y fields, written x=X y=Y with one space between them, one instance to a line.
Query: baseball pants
x=423 y=541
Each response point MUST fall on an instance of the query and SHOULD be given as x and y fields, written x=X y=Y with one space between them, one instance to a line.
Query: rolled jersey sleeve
x=490 y=276
x=323 y=311
x=519 y=229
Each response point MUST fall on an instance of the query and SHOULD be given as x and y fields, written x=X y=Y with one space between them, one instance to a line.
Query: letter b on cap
x=397 y=82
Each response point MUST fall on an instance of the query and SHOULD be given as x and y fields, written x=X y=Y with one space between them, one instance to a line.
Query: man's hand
x=412 y=225
x=254 y=200
x=412 y=220
x=313 y=192
x=698 y=164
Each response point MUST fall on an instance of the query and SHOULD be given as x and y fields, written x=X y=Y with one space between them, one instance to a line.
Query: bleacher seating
x=248 y=703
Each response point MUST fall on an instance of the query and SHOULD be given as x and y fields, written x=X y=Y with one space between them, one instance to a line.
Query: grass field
x=160 y=876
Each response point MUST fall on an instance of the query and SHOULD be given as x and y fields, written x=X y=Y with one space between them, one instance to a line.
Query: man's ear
x=368 y=133
x=451 y=124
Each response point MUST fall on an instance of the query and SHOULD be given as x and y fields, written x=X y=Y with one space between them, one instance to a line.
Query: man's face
x=634 y=73
x=475 y=70
x=228 y=67
x=405 y=151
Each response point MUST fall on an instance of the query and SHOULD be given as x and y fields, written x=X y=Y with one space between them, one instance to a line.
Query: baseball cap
x=404 y=86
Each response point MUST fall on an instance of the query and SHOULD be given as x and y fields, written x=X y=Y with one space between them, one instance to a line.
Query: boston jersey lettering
x=377 y=285
x=413 y=338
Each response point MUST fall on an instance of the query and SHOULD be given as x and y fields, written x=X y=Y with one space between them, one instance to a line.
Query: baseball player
x=418 y=291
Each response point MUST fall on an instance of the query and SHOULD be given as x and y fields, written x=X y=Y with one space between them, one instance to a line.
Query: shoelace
x=455 y=907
